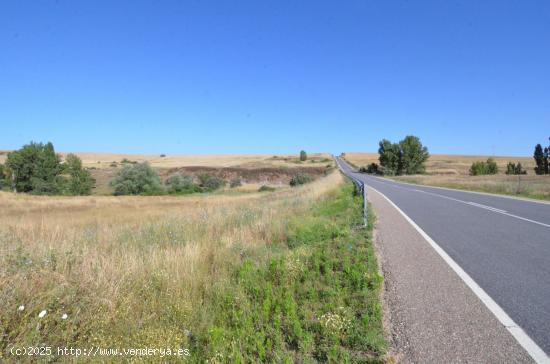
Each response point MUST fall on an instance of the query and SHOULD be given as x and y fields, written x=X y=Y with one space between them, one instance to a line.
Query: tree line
x=37 y=169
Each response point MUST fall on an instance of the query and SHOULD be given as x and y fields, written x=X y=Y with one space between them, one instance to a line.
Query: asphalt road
x=502 y=243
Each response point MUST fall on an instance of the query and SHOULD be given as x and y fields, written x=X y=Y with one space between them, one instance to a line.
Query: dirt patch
x=271 y=175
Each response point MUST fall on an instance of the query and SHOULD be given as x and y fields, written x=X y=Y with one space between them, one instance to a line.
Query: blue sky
x=468 y=77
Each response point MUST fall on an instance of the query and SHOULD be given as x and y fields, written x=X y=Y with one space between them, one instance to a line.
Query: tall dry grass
x=130 y=270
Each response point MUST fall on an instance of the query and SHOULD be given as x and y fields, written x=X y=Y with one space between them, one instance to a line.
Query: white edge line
x=526 y=199
x=538 y=355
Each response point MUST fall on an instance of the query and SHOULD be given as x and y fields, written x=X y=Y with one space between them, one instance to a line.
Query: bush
x=137 y=179
x=484 y=168
x=80 y=180
x=372 y=168
x=303 y=155
x=235 y=182
x=265 y=188
x=179 y=184
x=163 y=155
x=300 y=179
x=210 y=183
x=515 y=169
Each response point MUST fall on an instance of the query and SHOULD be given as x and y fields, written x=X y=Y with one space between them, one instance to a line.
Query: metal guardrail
x=360 y=187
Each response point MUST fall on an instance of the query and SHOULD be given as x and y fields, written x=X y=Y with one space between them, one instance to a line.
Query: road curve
x=503 y=244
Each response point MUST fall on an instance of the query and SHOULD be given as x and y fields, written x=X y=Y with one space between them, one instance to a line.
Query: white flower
x=21 y=308
x=64 y=317
x=42 y=313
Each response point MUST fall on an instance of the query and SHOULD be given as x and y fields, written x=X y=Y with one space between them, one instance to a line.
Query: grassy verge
x=531 y=186
x=314 y=299
x=284 y=275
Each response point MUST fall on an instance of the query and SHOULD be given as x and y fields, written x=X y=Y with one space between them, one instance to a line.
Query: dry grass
x=129 y=271
x=453 y=171
x=104 y=160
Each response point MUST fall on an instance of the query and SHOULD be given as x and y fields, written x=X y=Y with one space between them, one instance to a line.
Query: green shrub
x=300 y=179
x=80 y=180
x=372 y=168
x=265 y=188
x=179 y=184
x=303 y=155
x=483 y=168
x=210 y=183
x=513 y=168
x=137 y=179
x=235 y=182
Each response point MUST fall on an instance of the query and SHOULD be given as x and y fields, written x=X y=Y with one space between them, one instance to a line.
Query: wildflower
x=65 y=316
x=42 y=313
x=21 y=308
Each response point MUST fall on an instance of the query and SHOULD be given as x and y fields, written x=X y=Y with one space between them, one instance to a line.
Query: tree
x=545 y=160
x=2 y=176
x=303 y=155
x=389 y=157
x=80 y=181
x=137 y=179
x=539 y=159
x=515 y=169
x=406 y=157
x=35 y=168
x=413 y=155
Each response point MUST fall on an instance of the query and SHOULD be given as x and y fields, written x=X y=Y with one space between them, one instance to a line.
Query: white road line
x=538 y=355
x=488 y=208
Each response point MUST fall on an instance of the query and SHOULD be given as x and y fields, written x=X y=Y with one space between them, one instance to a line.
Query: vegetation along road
x=501 y=247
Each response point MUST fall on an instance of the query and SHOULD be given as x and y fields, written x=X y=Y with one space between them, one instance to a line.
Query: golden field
x=452 y=171
x=104 y=160
x=444 y=164
x=130 y=270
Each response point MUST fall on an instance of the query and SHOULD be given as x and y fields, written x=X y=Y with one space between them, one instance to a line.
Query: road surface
x=503 y=244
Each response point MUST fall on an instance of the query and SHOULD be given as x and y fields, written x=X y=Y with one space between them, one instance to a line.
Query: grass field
x=281 y=276
x=452 y=171
x=254 y=170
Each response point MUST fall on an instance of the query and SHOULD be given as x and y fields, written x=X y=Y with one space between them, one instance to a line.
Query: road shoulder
x=433 y=315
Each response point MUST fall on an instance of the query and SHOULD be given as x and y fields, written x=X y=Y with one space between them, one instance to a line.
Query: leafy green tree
x=80 y=180
x=303 y=155
x=181 y=184
x=413 y=155
x=389 y=157
x=36 y=168
x=538 y=155
x=137 y=179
